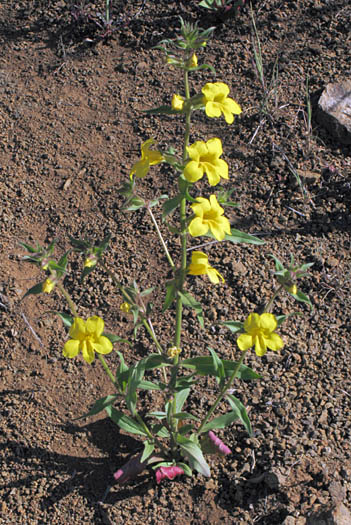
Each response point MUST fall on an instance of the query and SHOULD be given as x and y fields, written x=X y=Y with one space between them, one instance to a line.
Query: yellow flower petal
x=71 y=348
x=95 y=325
x=244 y=341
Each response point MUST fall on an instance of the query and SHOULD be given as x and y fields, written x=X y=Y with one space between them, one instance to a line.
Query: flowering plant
x=175 y=440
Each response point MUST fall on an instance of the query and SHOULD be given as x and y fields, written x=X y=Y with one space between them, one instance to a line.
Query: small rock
x=337 y=515
x=337 y=492
x=334 y=110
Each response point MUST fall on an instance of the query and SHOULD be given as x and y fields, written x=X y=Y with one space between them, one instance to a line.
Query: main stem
x=179 y=305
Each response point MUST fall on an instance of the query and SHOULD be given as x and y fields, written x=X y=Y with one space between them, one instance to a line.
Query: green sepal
x=125 y=422
x=148 y=450
x=234 y=326
x=187 y=470
x=194 y=455
x=35 y=290
x=237 y=405
x=189 y=301
x=99 y=405
x=204 y=366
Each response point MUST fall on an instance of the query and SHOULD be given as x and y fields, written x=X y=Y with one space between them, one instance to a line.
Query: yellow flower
x=90 y=261
x=87 y=337
x=48 y=285
x=216 y=102
x=209 y=216
x=259 y=331
x=177 y=102
x=192 y=62
x=205 y=159
x=173 y=351
x=125 y=307
x=148 y=158
x=199 y=266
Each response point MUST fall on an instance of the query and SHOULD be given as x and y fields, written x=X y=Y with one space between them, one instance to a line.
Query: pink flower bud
x=130 y=470
x=220 y=446
x=168 y=473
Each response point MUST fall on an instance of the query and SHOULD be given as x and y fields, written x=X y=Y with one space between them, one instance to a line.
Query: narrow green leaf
x=171 y=205
x=193 y=453
x=116 y=338
x=171 y=289
x=181 y=397
x=148 y=450
x=301 y=297
x=238 y=407
x=35 y=290
x=204 y=366
x=99 y=405
x=217 y=365
x=124 y=422
x=240 y=237
x=234 y=326
x=221 y=421
x=66 y=318
x=189 y=301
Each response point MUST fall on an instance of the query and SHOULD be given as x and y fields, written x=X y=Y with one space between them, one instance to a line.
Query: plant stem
x=71 y=304
x=273 y=298
x=106 y=368
x=179 y=305
x=170 y=260
x=223 y=392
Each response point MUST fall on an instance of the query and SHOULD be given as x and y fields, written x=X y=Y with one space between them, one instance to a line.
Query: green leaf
x=189 y=301
x=204 y=366
x=125 y=422
x=99 y=405
x=181 y=397
x=122 y=374
x=185 y=429
x=171 y=290
x=148 y=450
x=302 y=298
x=218 y=366
x=186 y=468
x=193 y=453
x=240 y=237
x=157 y=415
x=116 y=338
x=234 y=326
x=278 y=265
x=221 y=421
x=35 y=290
x=160 y=430
x=29 y=248
x=148 y=385
x=185 y=415
x=66 y=318
x=237 y=406
x=171 y=205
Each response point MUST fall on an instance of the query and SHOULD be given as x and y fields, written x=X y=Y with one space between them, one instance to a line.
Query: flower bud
x=48 y=285
x=125 y=307
x=177 y=102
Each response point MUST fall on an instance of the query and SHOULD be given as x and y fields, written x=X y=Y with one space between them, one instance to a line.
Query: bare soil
x=71 y=125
